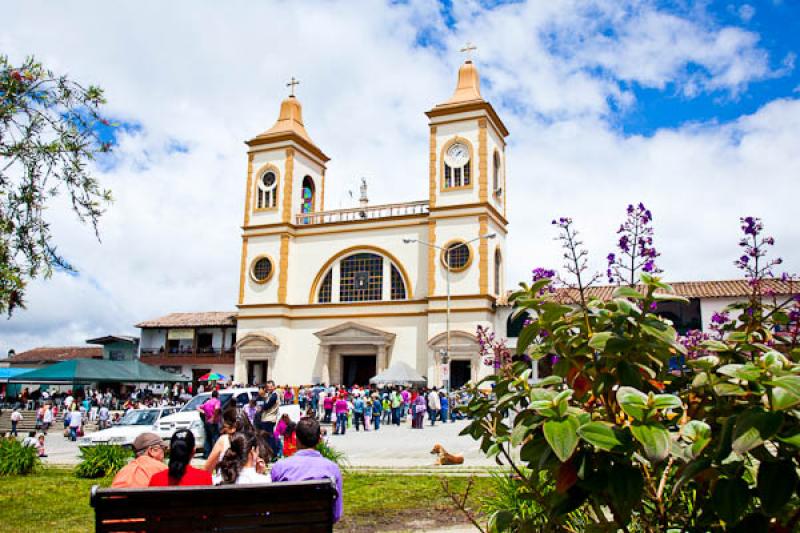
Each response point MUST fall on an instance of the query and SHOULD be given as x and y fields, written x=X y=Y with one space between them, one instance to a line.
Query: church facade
x=336 y=296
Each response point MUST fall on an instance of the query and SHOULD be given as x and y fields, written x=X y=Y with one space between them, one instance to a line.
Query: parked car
x=131 y=425
x=189 y=417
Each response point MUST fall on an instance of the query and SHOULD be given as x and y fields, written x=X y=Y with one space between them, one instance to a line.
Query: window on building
x=496 y=172
x=267 y=190
x=262 y=269
x=326 y=289
x=498 y=264
x=204 y=341
x=398 y=287
x=308 y=191
x=456 y=256
x=361 y=278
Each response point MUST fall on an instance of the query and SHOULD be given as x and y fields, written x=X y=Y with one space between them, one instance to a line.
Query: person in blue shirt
x=377 y=410
x=445 y=406
x=358 y=412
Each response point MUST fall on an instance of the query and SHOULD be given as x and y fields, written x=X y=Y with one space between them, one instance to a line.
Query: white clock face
x=457 y=155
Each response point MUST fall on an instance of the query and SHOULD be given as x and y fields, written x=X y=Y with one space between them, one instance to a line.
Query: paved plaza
x=389 y=447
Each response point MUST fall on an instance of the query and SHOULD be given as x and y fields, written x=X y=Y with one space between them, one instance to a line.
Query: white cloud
x=210 y=75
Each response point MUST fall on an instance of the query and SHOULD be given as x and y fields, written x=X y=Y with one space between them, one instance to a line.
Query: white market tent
x=398 y=374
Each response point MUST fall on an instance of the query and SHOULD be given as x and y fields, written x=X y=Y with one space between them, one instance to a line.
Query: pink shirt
x=210 y=408
x=341 y=406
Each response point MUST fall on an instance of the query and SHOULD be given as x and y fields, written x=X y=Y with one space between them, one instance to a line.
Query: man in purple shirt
x=307 y=463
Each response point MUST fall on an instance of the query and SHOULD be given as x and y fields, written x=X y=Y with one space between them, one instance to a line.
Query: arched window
x=498 y=267
x=361 y=277
x=308 y=192
x=496 y=172
x=457 y=165
x=267 y=190
x=398 y=287
x=326 y=288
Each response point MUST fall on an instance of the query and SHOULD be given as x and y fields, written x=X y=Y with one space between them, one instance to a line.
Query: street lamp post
x=444 y=356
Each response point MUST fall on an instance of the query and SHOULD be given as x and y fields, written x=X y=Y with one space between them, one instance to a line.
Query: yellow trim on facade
x=463 y=310
x=305 y=231
x=446 y=246
x=247 y=192
x=466 y=107
x=259 y=173
x=284 y=274
x=242 y=269
x=505 y=191
x=352 y=249
x=489 y=297
x=431 y=258
x=483 y=177
x=287 y=186
x=483 y=252
x=445 y=147
x=343 y=317
x=432 y=169
x=253 y=266
x=334 y=305
x=470 y=119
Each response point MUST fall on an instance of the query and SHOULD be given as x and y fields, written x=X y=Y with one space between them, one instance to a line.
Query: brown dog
x=446 y=458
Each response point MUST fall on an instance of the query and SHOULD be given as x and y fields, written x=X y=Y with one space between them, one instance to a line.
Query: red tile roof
x=192 y=320
x=49 y=354
x=734 y=288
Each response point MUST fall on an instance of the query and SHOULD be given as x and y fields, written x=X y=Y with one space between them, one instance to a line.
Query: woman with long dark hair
x=180 y=471
x=234 y=421
x=240 y=464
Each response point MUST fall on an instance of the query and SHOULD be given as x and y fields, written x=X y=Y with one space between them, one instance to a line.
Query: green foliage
x=634 y=445
x=332 y=454
x=16 y=459
x=102 y=460
x=49 y=133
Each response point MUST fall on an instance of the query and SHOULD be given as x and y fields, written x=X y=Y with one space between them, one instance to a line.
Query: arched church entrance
x=352 y=353
x=464 y=361
x=256 y=357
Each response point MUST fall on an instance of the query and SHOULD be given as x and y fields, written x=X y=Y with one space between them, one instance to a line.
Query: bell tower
x=467 y=191
x=285 y=180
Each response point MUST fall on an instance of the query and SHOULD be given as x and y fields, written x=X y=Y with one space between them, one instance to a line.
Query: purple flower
x=649 y=265
x=720 y=318
x=653 y=306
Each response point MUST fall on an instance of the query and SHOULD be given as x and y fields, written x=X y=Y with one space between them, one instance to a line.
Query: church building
x=336 y=296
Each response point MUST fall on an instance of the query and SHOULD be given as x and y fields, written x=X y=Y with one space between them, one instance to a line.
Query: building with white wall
x=336 y=296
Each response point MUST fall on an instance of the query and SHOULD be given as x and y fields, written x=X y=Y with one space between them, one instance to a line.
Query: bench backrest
x=303 y=506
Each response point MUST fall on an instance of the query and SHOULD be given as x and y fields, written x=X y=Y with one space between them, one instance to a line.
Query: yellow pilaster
x=283 y=278
x=504 y=198
x=483 y=255
x=431 y=258
x=287 y=186
x=248 y=194
x=243 y=268
x=483 y=174
x=432 y=168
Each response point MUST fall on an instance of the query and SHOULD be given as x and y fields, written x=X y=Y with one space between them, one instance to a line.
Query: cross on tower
x=292 y=85
x=468 y=48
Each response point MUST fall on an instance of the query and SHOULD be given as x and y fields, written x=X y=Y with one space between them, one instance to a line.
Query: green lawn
x=55 y=500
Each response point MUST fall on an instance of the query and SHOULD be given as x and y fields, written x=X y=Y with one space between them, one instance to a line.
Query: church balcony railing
x=189 y=351
x=363 y=213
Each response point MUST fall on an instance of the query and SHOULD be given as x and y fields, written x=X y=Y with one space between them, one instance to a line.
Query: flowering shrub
x=627 y=443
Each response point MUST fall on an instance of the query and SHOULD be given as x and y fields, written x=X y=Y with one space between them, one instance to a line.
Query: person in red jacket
x=179 y=471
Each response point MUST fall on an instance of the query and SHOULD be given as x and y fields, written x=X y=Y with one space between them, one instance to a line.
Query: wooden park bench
x=303 y=506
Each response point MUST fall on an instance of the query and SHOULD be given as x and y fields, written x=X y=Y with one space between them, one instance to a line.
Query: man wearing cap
x=149 y=449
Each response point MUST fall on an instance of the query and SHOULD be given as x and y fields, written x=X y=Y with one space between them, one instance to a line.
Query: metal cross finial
x=468 y=48
x=292 y=84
